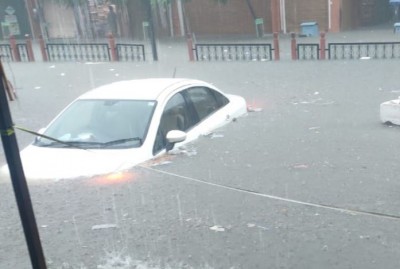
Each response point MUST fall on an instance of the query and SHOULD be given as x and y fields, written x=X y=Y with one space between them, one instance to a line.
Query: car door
x=209 y=108
x=176 y=116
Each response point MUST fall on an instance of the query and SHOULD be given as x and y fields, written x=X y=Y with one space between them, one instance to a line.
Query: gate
x=96 y=52
x=233 y=52
x=5 y=52
x=308 y=51
x=130 y=52
x=22 y=51
x=373 y=50
x=18 y=53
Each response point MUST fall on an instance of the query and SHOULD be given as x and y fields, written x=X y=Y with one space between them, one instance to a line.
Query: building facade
x=52 y=19
x=284 y=16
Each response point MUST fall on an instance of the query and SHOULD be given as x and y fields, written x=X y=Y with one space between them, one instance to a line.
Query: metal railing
x=372 y=50
x=96 y=52
x=5 y=52
x=308 y=51
x=233 y=52
x=23 y=52
x=130 y=52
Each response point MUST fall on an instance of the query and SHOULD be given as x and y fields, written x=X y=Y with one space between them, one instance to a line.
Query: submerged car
x=125 y=123
x=390 y=112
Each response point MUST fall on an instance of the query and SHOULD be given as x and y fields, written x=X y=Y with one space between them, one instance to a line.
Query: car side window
x=206 y=101
x=176 y=116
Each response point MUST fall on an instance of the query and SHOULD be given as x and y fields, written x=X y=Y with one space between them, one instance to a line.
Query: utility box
x=396 y=28
x=309 y=28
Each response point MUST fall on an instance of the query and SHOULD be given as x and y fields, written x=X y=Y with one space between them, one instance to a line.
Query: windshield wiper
x=121 y=141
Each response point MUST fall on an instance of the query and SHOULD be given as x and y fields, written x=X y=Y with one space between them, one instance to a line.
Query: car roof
x=138 y=89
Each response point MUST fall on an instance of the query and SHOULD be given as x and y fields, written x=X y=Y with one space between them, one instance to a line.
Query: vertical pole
x=113 y=49
x=28 y=41
x=18 y=179
x=282 y=9
x=14 y=49
x=10 y=91
x=322 y=46
x=336 y=7
x=276 y=47
x=275 y=16
x=151 y=30
x=294 y=46
x=189 y=41
x=43 y=49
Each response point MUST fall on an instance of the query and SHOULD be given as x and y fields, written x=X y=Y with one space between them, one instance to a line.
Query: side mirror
x=174 y=136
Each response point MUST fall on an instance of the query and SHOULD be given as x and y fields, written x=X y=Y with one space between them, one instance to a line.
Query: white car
x=122 y=124
x=390 y=112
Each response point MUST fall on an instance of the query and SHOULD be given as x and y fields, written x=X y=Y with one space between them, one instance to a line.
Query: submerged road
x=309 y=180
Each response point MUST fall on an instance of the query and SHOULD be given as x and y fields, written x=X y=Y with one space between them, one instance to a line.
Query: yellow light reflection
x=114 y=178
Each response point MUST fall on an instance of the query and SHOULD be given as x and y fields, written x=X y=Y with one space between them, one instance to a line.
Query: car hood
x=61 y=163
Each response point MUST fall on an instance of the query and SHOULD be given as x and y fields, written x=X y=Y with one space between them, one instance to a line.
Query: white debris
x=37 y=88
x=184 y=150
x=365 y=58
x=252 y=225
x=62 y=74
x=52 y=66
x=162 y=163
x=214 y=135
x=318 y=101
x=217 y=228
x=117 y=75
x=104 y=226
x=300 y=166
x=314 y=128
x=254 y=109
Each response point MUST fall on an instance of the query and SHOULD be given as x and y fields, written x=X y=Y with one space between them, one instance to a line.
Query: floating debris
x=214 y=135
x=217 y=228
x=254 y=109
x=314 y=128
x=104 y=226
x=300 y=166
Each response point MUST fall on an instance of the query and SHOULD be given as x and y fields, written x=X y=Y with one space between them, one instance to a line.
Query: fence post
x=113 y=49
x=276 y=47
x=29 y=50
x=294 y=46
x=189 y=41
x=43 y=49
x=14 y=49
x=322 y=45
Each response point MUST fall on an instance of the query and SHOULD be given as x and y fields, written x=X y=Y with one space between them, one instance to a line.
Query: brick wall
x=207 y=17
x=305 y=11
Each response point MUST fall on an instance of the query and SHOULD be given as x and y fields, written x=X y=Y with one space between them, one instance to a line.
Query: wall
x=60 y=21
x=207 y=17
x=298 y=12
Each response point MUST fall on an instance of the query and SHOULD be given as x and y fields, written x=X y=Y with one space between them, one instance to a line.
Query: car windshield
x=100 y=124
